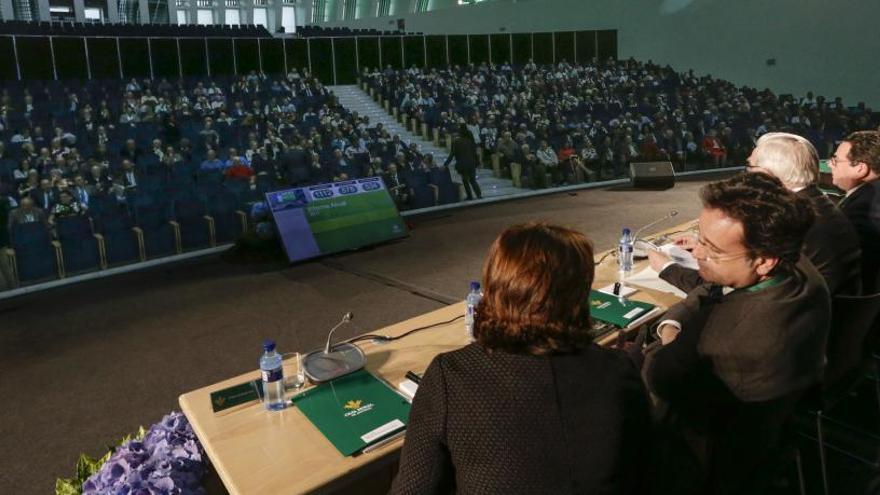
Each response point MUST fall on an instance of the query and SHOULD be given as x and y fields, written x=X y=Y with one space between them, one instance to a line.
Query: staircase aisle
x=356 y=100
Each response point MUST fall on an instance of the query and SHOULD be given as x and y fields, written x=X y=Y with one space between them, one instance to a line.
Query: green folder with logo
x=608 y=308
x=354 y=411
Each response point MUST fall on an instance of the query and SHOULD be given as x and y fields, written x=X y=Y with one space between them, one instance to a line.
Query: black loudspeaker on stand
x=652 y=175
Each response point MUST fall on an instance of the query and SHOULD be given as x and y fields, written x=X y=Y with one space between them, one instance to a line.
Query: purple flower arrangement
x=168 y=459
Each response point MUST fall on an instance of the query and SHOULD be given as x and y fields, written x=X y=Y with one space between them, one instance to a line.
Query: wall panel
x=165 y=61
x=392 y=52
x=135 y=57
x=192 y=57
x=345 y=60
x=70 y=58
x=34 y=58
x=436 y=48
x=368 y=52
x=522 y=48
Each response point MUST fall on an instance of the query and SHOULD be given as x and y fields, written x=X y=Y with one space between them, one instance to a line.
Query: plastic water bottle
x=473 y=299
x=625 y=254
x=273 y=377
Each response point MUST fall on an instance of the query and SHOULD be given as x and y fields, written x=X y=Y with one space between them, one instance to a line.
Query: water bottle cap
x=268 y=345
x=626 y=230
x=475 y=285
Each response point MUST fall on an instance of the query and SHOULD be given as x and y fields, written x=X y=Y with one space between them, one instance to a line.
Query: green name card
x=237 y=395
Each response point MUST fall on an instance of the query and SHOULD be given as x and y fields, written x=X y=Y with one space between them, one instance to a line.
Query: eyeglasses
x=834 y=161
x=716 y=257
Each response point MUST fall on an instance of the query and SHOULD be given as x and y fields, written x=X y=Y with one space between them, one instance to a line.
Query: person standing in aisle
x=464 y=151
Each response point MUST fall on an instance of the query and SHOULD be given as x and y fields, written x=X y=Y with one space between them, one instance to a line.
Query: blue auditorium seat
x=35 y=257
x=80 y=249
x=194 y=229
x=122 y=244
x=229 y=221
x=159 y=237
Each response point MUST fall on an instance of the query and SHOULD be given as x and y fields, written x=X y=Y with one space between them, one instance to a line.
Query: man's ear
x=862 y=170
x=765 y=265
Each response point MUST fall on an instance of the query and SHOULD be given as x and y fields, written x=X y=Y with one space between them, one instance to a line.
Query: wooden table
x=258 y=452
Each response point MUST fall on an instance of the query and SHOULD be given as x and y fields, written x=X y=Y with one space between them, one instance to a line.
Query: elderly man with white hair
x=832 y=244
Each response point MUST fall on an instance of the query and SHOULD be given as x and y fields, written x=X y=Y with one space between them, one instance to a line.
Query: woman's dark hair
x=536 y=284
x=775 y=220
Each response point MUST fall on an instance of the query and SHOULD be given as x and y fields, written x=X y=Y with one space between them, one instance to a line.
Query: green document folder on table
x=354 y=411
x=607 y=308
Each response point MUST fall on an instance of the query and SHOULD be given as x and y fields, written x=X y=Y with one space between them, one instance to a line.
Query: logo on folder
x=355 y=407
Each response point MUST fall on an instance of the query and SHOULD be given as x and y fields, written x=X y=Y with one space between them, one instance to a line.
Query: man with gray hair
x=831 y=244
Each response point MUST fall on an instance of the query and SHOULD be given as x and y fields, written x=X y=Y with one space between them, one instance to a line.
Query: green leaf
x=67 y=487
x=86 y=467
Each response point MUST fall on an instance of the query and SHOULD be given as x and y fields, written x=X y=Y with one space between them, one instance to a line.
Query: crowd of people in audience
x=722 y=374
x=68 y=147
x=65 y=147
x=576 y=122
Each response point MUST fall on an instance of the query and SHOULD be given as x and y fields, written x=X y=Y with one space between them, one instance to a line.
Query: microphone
x=639 y=245
x=667 y=216
x=345 y=319
x=333 y=361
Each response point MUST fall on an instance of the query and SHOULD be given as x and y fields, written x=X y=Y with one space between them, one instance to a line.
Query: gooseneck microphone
x=641 y=229
x=333 y=360
x=641 y=247
x=345 y=319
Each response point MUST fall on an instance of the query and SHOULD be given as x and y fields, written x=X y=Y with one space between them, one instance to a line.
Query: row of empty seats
x=44 y=28
x=318 y=31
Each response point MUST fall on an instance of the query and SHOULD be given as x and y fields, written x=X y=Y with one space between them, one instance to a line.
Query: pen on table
x=414 y=377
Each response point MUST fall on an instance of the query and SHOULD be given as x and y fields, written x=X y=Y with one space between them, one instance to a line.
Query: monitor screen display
x=329 y=218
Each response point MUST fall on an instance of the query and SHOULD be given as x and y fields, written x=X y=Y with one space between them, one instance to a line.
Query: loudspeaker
x=652 y=175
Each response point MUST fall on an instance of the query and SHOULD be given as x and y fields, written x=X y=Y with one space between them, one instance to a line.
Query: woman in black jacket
x=533 y=406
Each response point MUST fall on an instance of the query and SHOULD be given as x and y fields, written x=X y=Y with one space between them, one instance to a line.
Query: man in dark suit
x=464 y=151
x=735 y=357
x=395 y=181
x=855 y=168
x=26 y=213
x=44 y=197
x=128 y=175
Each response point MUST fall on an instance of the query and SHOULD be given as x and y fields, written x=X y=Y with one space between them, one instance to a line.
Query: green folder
x=354 y=411
x=824 y=167
x=607 y=308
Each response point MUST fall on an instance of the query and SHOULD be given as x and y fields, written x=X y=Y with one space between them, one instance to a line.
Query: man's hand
x=667 y=333
x=686 y=242
x=657 y=259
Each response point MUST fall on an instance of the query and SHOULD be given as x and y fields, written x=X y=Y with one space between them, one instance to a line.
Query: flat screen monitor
x=328 y=218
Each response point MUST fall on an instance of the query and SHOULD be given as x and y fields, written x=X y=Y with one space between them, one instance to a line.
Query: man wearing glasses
x=738 y=353
x=855 y=168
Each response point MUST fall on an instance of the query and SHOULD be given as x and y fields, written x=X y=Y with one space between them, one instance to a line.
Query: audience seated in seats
x=149 y=138
x=628 y=110
x=735 y=357
x=533 y=406
x=855 y=168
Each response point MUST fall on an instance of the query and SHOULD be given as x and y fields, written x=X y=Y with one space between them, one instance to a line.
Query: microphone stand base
x=341 y=360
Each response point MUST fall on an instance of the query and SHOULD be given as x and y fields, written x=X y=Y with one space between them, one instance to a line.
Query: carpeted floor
x=104 y=357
